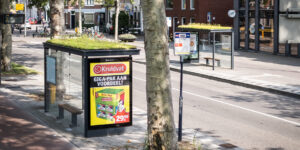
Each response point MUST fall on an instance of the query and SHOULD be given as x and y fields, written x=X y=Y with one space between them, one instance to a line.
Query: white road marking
x=32 y=42
x=235 y=106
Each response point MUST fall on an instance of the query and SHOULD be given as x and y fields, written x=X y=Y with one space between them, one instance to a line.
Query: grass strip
x=18 y=69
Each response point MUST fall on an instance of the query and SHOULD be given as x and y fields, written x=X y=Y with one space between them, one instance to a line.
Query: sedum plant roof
x=205 y=26
x=86 y=43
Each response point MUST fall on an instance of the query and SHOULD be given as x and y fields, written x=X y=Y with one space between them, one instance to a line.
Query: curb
x=286 y=91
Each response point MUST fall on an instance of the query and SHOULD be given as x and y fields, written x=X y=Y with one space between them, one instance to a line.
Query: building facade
x=198 y=11
x=93 y=14
x=96 y=14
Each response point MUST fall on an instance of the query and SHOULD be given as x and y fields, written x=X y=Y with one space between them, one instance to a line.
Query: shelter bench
x=216 y=59
x=73 y=110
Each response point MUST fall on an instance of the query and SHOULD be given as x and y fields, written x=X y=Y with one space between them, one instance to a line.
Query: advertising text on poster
x=194 y=47
x=182 y=43
x=110 y=93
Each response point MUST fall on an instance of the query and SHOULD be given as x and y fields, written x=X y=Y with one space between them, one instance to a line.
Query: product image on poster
x=110 y=105
x=110 y=93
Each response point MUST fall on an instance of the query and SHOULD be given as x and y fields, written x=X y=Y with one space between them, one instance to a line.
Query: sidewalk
x=19 y=91
x=277 y=74
x=19 y=130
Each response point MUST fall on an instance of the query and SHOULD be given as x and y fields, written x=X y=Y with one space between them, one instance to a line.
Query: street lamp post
x=25 y=5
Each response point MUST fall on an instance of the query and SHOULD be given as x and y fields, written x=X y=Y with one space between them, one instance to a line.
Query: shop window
x=183 y=4
x=88 y=18
x=89 y=2
x=192 y=4
x=183 y=20
x=169 y=4
x=192 y=20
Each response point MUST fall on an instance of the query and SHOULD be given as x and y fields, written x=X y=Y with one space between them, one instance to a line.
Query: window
x=183 y=20
x=66 y=2
x=88 y=18
x=169 y=4
x=192 y=4
x=192 y=20
x=183 y=4
x=89 y=2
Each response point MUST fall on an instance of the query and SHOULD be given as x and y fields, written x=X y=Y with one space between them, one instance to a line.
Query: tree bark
x=80 y=18
x=117 y=9
x=57 y=28
x=6 y=42
x=161 y=126
x=57 y=17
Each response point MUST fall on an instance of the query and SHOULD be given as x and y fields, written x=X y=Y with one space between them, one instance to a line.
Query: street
x=245 y=117
x=248 y=118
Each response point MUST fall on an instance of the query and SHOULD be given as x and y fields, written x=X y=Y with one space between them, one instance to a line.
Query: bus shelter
x=214 y=47
x=89 y=91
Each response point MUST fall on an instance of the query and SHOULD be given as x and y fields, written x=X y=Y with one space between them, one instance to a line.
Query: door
x=72 y=21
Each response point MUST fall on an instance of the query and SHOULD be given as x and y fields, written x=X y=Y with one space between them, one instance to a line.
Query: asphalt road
x=248 y=118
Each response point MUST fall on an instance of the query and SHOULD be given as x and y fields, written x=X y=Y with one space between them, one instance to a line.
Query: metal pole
x=237 y=24
x=46 y=87
x=180 y=100
x=298 y=53
x=276 y=26
x=80 y=18
x=84 y=94
x=287 y=49
x=0 y=54
x=232 y=51
x=83 y=69
x=247 y=25
x=257 y=23
x=25 y=18
x=198 y=48
x=214 y=50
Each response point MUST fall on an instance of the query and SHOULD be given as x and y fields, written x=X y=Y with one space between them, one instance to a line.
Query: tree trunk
x=6 y=42
x=117 y=9
x=57 y=17
x=161 y=126
x=80 y=18
x=57 y=28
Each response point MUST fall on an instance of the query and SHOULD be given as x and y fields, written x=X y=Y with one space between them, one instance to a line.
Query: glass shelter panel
x=223 y=50
x=205 y=46
x=64 y=85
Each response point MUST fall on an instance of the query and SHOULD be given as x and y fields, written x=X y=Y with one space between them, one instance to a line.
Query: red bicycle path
x=19 y=130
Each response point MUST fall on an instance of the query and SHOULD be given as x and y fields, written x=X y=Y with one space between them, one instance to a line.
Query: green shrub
x=88 y=25
x=127 y=37
x=123 y=21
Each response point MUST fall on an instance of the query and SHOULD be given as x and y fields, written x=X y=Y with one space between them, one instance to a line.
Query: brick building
x=92 y=14
x=198 y=11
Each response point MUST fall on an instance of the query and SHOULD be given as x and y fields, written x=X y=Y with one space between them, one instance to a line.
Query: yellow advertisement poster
x=19 y=7
x=109 y=93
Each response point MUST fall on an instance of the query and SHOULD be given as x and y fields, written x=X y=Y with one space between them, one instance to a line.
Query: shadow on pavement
x=290 y=107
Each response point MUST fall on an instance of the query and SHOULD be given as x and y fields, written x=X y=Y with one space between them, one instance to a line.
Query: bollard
x=287 y=49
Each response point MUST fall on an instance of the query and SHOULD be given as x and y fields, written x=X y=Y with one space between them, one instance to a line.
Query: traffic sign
x=19 y=7
x=182 y=43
